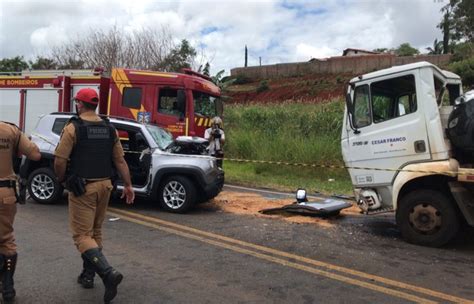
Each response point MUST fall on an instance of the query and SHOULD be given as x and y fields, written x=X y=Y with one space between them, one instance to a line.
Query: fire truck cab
x=182 y=103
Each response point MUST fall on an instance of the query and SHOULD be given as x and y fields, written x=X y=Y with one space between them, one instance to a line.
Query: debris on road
x=251 y=204
x=326 y=208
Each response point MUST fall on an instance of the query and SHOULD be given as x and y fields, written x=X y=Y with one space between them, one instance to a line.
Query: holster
x=20 y=194
x=75 y=184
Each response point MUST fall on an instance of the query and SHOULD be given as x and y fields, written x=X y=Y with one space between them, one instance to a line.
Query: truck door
x=170 y=111
x=390 y=129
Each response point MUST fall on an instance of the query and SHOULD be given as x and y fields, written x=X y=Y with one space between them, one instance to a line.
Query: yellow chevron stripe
x=122 y=81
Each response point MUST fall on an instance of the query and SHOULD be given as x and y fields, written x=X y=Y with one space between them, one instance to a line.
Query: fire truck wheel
x=177 y=194
x=428 y=218
x=43 y=187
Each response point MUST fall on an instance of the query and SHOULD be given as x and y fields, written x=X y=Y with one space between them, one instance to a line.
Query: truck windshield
x=161 y=137
x=205 y=104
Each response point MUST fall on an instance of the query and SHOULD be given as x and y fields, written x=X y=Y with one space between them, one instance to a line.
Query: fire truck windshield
x=161 y=137
x=205 y=104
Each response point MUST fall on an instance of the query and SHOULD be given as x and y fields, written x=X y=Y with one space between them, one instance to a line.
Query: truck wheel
x=177 y=194
x=428 y=218
x=43 y=187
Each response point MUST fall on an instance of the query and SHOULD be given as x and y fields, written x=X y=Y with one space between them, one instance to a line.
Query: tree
x=246 y=56
x=205 y=70
x=458 y=22
x=43 y=63
x=180 y=57
x=405 y=49
x=464 y=19
x=14 y=64
x=437 y=47
x=446 y=25
x=381 y=50
x=151 y=49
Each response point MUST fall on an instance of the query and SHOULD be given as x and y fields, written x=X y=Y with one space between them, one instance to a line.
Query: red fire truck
x=182 y=103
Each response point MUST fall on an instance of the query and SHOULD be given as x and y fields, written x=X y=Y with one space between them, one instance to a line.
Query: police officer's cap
x=87 y=95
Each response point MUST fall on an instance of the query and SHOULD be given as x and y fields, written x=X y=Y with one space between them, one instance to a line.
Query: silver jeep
x=177 y=173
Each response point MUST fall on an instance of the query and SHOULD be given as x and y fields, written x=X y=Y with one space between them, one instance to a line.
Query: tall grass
x=289 y=132
x=308 y=133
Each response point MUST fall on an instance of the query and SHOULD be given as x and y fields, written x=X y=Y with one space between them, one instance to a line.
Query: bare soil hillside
x=308 y=88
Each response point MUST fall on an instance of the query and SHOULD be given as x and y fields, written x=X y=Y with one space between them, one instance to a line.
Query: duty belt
x=8 y=184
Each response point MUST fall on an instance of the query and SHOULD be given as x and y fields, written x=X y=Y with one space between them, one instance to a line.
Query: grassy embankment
x=294 y=133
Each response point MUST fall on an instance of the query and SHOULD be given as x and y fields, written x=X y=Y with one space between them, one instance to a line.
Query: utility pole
x=246 y=56
x=260 y=60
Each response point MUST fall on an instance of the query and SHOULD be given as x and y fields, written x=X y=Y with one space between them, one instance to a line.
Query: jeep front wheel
x=177 y=194
x=427 y=217
x=43 y=187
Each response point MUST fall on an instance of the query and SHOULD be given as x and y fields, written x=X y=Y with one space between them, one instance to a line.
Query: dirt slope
x=310 y=88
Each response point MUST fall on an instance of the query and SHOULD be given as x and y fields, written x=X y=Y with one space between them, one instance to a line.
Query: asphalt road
x=208 y=256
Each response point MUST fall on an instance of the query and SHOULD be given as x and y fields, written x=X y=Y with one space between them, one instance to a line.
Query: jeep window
x=168 y=102
x=161 y=137
x=132 y=98
x=439 y=90
x=393 y=98
x=59 y=124
x=205 y=104
x=361 y=107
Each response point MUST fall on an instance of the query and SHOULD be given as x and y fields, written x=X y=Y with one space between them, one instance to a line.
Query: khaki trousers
x=87 y=213
x=7 y=216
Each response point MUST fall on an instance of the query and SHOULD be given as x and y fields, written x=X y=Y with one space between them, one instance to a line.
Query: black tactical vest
x=91 y=156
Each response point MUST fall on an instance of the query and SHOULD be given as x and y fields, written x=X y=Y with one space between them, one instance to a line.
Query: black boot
x=8 y=270
x=109 y=275
x=86 y=278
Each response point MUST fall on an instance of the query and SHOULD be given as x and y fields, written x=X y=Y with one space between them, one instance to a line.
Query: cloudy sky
x=275 y=30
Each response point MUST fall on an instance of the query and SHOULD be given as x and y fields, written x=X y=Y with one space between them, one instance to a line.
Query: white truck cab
x=398 y=155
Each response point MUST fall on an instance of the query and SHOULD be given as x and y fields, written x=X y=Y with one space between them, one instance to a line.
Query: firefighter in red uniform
x=13 y=143
x=93 y=148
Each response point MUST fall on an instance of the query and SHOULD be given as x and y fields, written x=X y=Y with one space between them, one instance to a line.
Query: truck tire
x=43 y=187
x=427 y=217
x=177 y=194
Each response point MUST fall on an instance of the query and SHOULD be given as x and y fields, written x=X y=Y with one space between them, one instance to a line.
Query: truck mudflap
x=328 y=207
x=463 y=198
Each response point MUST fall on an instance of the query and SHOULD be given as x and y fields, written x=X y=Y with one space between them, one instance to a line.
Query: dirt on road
x=251 y=204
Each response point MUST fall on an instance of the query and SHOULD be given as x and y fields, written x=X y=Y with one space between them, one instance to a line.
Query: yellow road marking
x=345 y=270
x=280 y=261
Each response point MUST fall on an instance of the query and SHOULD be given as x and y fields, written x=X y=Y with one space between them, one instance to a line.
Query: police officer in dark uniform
x=93 y=149
x=13 y=143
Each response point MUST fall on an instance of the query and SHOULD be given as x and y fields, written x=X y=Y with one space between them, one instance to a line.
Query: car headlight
x=212 y=163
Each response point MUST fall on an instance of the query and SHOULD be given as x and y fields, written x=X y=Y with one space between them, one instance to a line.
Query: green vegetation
x=288 y=132
x=465 y=69
x=263 y=86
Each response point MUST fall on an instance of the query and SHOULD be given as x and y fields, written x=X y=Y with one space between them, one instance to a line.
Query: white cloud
x=304 y=52
x=275 y=30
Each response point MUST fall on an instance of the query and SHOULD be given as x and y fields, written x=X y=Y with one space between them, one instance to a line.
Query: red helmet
x=87 y=95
